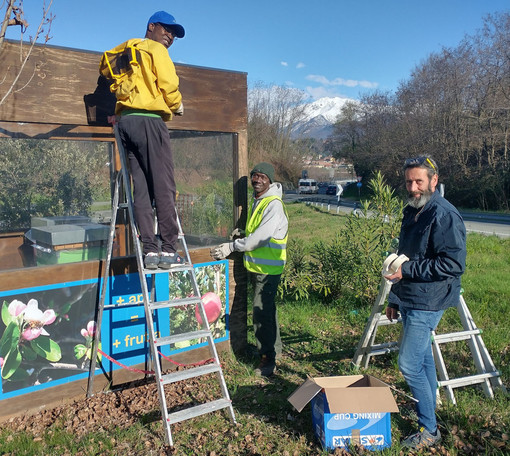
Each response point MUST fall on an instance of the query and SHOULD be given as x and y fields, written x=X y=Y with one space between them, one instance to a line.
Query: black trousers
x=147 y=143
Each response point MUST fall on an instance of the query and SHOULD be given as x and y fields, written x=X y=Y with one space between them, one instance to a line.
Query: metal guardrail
x=485 y=217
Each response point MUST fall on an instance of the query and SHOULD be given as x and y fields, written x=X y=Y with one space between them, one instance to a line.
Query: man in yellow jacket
x=147 y=90
x=264 y=245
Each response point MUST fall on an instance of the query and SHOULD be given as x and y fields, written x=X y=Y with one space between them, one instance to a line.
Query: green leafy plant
x=209 y=210
x=298 y=279
x=349 y=264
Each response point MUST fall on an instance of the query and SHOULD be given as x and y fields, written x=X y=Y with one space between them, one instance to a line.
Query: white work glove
x=179 y=111
x=237 y=234
x=222 y=251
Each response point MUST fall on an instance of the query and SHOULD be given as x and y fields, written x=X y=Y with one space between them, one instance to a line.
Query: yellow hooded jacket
x=144 y=77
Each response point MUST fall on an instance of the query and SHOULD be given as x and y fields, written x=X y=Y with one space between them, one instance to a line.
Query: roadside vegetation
x=321 y=327
x=454 y=105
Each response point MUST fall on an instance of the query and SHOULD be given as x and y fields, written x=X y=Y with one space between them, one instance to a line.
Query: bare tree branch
x=46 y=20
x=6 y=20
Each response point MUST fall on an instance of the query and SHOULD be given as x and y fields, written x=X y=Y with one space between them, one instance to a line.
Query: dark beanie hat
x=264 y=168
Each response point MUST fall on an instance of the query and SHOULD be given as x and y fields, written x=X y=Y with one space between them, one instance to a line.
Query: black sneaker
x=151 y=260
x=170 y=260
x=266 y=367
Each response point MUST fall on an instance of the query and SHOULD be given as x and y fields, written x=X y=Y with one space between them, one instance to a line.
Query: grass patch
x=310 y=223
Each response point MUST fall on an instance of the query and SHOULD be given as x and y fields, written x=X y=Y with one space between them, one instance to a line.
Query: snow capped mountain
x=320 y=115
x=329 y=108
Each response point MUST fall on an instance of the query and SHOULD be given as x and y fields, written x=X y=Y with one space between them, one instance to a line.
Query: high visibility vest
x=270 y=258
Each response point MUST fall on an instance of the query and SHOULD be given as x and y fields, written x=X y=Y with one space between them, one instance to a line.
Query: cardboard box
x=353 y=409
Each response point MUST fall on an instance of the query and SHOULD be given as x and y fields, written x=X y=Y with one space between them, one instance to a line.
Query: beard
x=419 y=201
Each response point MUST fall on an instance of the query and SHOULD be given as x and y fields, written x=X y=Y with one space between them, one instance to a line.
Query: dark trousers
x=265 y=318
x=238 y=316
x=147 y=143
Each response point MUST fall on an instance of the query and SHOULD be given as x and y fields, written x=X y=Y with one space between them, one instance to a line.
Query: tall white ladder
x=151 y=307
x=487 y=375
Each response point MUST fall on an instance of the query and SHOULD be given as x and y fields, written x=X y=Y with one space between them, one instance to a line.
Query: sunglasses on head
x=419 y=161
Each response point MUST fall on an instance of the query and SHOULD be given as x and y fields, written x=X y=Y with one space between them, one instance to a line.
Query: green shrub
x=349 y=265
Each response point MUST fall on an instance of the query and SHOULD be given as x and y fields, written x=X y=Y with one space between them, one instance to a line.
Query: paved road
x=488 y=228
x=475 y=222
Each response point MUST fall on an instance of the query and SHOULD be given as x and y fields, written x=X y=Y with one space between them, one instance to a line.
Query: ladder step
x=181 y=337
x=381 y=349
x=198 y=410
x=452 y=337
x=469 y=380
x=173 y=303
x=383 y=321
x=180 y=268
x=190 y=373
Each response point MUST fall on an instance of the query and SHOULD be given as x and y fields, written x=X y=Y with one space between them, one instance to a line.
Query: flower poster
x=45 y=334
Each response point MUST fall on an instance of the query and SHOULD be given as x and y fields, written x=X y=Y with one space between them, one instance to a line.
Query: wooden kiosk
x=58 y=159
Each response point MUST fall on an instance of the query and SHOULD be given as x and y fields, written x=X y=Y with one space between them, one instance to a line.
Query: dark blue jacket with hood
x=434 y=240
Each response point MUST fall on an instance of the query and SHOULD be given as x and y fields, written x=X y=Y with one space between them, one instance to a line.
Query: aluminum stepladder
x=151 y=307
x=487 y=375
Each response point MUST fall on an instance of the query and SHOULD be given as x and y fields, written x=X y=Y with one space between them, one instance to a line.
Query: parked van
x=307 y=186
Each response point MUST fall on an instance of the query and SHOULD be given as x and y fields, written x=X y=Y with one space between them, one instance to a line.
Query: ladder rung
x=173 y=303
x=383 y=321
x=470 y=380
x=190 y=373
x=381 y=349
x=181 y=268
x=181 y=337
x=452 y=337
x=198 y=410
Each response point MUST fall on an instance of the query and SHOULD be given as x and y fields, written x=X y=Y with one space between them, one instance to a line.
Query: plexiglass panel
x=55 y=196
x=54 y=201
x=204 y=176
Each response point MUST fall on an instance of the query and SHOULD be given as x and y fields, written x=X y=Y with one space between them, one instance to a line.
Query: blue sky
x=324 y=47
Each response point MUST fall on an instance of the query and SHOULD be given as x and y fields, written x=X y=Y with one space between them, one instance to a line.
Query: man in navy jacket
x=433 y=237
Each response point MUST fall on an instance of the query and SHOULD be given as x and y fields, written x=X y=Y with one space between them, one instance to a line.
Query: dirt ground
x=120 y=408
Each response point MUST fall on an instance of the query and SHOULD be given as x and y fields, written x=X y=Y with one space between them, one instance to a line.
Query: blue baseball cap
x=164 y=18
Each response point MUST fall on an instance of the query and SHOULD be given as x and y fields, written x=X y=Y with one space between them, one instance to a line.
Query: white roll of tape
x=392 y=263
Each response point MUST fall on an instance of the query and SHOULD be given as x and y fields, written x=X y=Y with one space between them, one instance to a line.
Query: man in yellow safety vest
x=264 y=245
